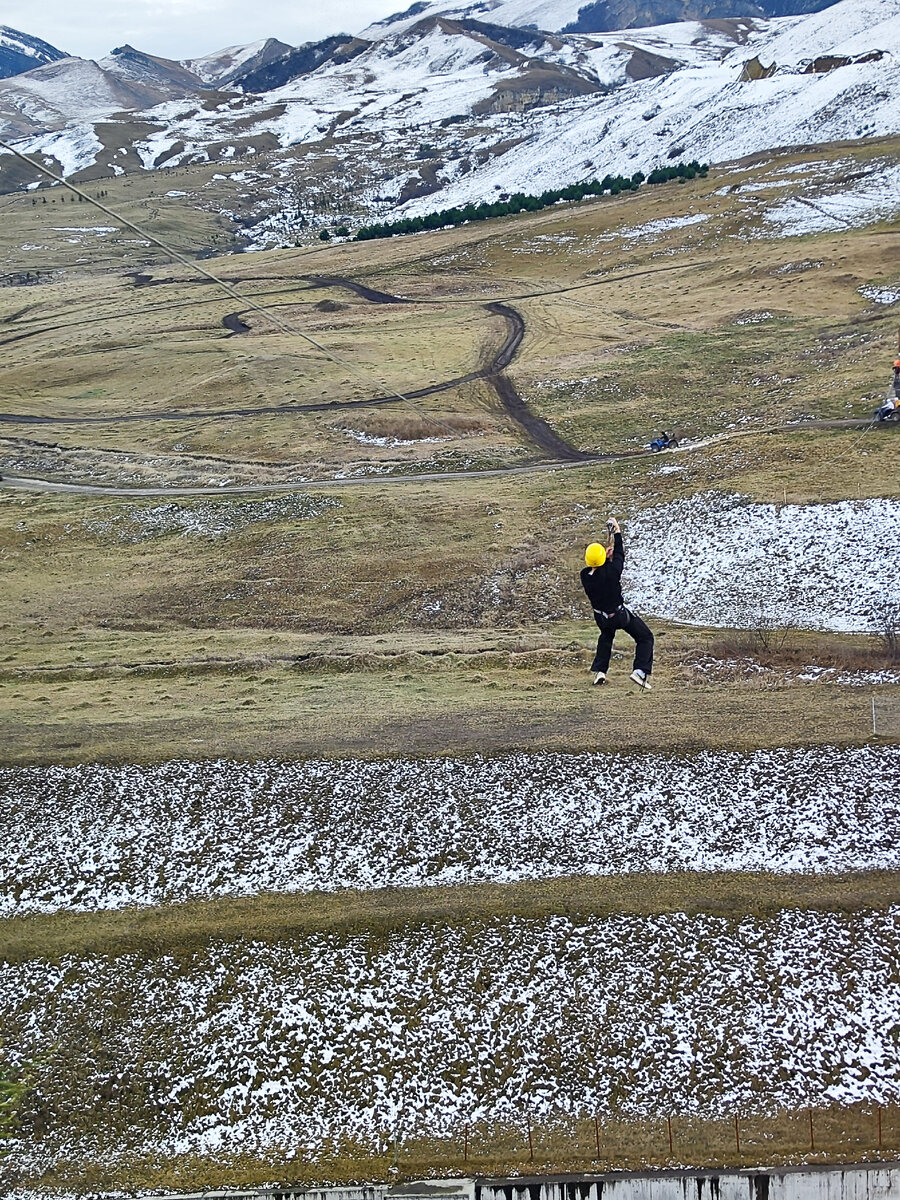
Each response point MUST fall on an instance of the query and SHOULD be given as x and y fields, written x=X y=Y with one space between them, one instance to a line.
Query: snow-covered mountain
x=64 y=89
x=436 y=111
x=22 y=52
x=140 y=70
x=222 y=68
x=297 y=61
x=78 y=89
x=588 y=16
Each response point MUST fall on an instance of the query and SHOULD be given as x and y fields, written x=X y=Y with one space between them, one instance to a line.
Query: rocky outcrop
x=753 y=70
x=536 y=87
x=829 y=62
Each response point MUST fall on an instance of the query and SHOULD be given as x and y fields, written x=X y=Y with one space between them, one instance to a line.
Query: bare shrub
x=767 y=636
x=529 y=555
x=886 y=623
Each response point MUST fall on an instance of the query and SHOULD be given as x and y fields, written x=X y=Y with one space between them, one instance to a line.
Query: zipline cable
x=226 y=287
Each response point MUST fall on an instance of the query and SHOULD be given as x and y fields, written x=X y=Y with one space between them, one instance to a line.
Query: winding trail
x=360 y=289
x=562 y=454
x=515 y=407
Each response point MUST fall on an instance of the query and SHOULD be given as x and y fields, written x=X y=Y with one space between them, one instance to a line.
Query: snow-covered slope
x=440 y=111
x=78 y=89
x=220 y=68
x=847 y=29
x=588 y=16
x=779 y=560
x=22 y=52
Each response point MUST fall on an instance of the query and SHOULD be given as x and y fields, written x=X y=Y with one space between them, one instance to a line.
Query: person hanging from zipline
x=601 y=578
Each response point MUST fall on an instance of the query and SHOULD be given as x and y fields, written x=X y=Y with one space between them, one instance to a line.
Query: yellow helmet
x=595 y=555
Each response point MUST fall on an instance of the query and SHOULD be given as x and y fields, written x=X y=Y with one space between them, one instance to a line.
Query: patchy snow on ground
x=73 y=148
x=327 y=1037
x=747 y=667
x=372 y=439
x=720 y=560
x=95 y=837
x=207 y=519
x=755 y=318
x=875 y=198
x=881 y=295
x=653 y=229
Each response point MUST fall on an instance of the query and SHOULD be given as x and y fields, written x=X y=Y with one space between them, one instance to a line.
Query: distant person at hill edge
x=601 y=578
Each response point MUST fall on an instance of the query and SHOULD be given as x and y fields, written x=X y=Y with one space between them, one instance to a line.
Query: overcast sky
x=186 y=28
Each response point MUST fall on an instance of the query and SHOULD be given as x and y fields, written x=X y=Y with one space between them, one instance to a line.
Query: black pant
x=635 y=628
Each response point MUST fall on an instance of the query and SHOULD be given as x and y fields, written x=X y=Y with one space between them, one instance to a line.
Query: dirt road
x=512 y=403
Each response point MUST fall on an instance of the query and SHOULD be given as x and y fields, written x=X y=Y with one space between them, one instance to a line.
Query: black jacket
x=604 y=584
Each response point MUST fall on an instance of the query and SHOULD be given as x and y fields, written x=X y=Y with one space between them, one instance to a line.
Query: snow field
x=295 y=1044
x=88 y=838
x=717 y=559
x=873 y=199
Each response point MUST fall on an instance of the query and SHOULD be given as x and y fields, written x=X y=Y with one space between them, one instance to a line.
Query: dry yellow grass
x=632 y=334
x=177 y=930
x=423 y=617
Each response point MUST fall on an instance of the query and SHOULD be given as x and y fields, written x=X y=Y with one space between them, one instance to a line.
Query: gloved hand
x=613 y=525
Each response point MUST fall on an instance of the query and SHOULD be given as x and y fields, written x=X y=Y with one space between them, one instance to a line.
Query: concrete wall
x=801 y=1183
x=810 y=1183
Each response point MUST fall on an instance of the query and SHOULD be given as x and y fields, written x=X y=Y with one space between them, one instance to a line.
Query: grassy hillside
x=323 y=933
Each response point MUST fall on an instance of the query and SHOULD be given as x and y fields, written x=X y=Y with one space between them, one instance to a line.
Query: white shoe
x=640 y=678
x=600 y=677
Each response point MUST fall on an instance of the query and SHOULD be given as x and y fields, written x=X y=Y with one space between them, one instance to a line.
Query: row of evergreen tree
x=520 y=202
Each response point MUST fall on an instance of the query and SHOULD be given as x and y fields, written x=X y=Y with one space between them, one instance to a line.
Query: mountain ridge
x=595 y=16
x=224 y=66
x=21 y=52
x=439 y=112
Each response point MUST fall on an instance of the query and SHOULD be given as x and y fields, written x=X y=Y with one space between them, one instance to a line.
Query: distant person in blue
x=601 y=578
